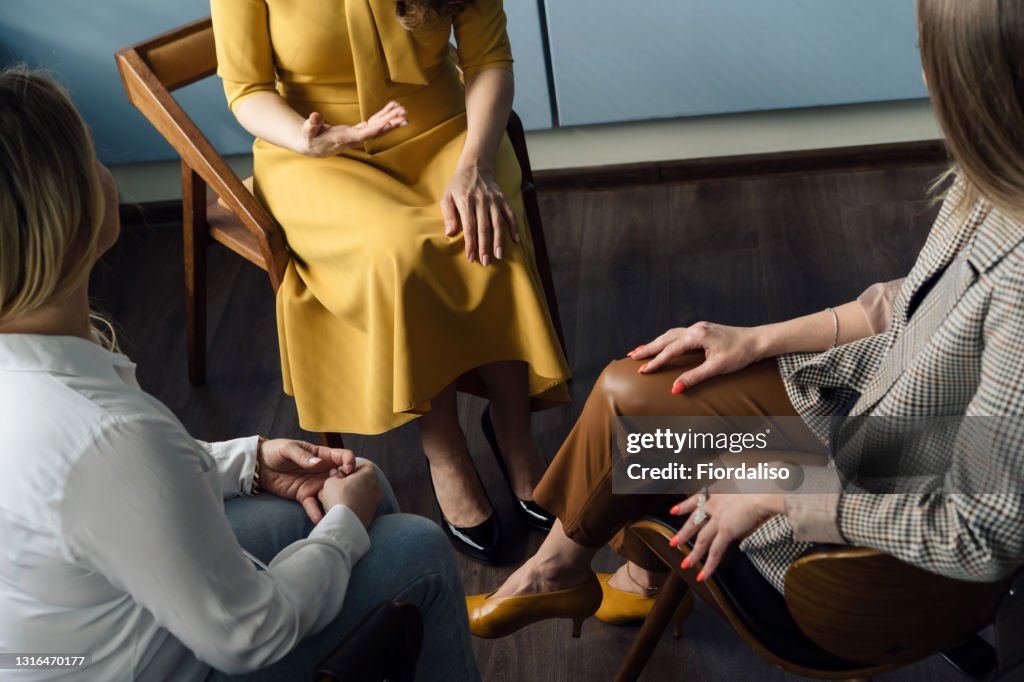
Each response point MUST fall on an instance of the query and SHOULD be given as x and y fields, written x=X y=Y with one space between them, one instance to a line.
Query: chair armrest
x=384 y=645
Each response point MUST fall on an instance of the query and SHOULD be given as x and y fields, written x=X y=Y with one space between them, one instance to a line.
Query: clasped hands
x=319 y=478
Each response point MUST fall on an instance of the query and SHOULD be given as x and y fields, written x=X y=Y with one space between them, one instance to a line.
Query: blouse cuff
x=814 y=517
x=814 y=514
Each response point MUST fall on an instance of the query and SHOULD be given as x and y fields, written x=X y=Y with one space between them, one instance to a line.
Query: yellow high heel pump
x=619 y=607
x=491 y=617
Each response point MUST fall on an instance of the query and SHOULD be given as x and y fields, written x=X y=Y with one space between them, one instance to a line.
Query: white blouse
x=113 y=540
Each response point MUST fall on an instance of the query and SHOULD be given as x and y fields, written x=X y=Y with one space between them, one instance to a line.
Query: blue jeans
x=409 y=560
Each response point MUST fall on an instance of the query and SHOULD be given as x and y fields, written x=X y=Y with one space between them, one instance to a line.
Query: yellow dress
x=379 y=310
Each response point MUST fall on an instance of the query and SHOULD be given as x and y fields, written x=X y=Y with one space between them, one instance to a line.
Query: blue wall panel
x=618 y=61
x=78 y=38
x=533 y=101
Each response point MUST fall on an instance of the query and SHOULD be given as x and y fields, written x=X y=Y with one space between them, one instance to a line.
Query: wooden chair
x=150 y=71
x=846 y=614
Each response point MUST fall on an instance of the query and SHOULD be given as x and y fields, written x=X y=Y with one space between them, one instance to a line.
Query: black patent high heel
x=531 y=513
x=481 y=542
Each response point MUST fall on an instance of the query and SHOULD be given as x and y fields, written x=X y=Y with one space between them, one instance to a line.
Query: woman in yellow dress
x=399 y=195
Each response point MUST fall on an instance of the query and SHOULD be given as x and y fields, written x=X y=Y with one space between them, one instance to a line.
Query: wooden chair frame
x=907 y=606
x=150 y=71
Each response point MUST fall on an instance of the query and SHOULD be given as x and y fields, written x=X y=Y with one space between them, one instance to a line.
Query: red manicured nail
x=674 y=511
x=634 y=350
x=642 y=369
x=683 y=565
x=673 y=542
x=686 y=563
x=678 y=388
x=700 y=577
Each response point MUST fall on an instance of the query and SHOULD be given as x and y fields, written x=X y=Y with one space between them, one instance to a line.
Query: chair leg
x=194 y=232
x=331 y=440
x=669 y=598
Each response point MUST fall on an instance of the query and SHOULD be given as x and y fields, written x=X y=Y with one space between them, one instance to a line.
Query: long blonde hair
x=973 y=58
x=51 y=199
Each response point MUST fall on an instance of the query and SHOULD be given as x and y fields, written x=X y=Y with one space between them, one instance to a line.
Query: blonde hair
x=973 y=58
x=51 y=199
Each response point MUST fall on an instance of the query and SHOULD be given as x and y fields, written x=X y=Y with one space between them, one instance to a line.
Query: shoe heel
x=683 y=612
x=577 y=625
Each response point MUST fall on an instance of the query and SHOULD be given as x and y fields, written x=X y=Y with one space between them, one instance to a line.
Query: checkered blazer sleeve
x=974 y=535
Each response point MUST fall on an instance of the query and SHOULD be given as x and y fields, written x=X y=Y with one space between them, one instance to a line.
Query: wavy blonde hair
x=973 y=58
x=51 y=199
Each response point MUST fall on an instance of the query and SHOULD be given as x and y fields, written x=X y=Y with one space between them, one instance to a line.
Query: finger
x=311 y=126
x=685 y=507
x=498 y=222
x=715 y=554
x=388 y=110
x=652 y=348
x=703 y=541
x=670 y=351
x=304 y=454
x=685 y=534
x=701 y=372
x=673 y=350
x=335 y=458
x=467 y=217
x=450 y=215
x=313 y=510
x=364 y=470
x=485 y=232
x=346 y=460
x=510 y=219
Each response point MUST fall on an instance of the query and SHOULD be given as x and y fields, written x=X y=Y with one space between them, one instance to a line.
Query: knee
x=621 y=386
x=416 y=537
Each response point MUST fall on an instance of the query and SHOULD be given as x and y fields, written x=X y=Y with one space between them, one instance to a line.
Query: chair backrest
x=880 y=609
x=150 y=71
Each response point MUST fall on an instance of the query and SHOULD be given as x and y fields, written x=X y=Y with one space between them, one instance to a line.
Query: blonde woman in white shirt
x=115 y=541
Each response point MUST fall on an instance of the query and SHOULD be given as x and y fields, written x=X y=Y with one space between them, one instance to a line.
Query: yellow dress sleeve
x=482 y=39
x=245 y=58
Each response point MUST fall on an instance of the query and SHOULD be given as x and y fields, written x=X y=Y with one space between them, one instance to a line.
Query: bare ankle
x=632 y=578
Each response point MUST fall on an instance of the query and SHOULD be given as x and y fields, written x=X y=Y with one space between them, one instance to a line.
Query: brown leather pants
x=577 y=487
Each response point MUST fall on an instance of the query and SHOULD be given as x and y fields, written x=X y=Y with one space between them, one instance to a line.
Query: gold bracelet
x=255 y=488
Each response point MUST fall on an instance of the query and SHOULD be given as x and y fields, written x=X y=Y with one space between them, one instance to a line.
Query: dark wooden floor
x=628 y=263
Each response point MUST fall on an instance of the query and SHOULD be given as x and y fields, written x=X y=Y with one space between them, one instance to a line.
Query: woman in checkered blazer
x=947 y=341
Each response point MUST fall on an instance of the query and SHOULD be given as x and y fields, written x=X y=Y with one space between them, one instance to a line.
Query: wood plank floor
x=628 y=263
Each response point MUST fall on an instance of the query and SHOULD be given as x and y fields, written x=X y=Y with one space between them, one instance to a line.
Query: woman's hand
x=319 y=138
x=726 y=349
x=474 y=203
x=296 y=470
x=729 y=518
x=359 y=491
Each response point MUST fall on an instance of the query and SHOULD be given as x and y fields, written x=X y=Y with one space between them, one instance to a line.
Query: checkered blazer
x=960 y=353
